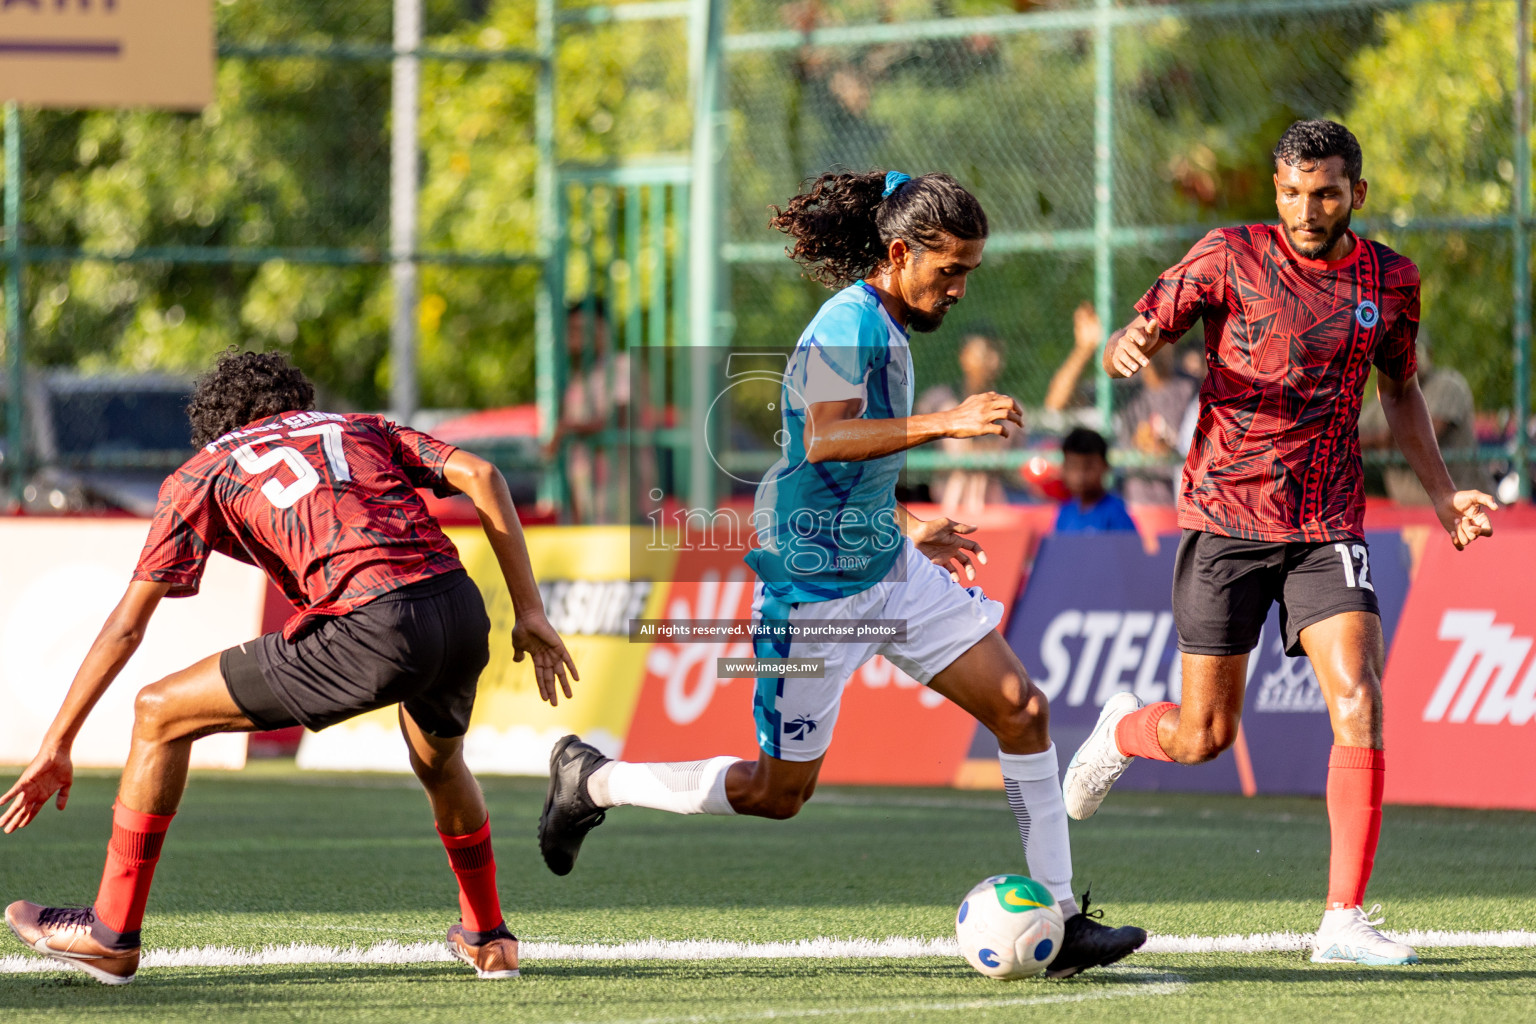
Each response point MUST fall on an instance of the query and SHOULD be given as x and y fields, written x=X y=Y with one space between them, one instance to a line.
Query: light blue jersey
x=829 y=530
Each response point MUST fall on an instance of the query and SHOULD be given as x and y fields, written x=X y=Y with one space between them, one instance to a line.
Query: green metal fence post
x=1104 y=199
x=705 y=56
x=15 y=450
x=1522 y=243
x=550 y=297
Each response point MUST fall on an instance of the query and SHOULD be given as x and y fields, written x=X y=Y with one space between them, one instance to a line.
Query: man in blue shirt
x=1090 y=508
x=833 y=546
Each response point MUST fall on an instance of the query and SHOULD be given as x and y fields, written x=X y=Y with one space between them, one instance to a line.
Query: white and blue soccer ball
x=1009 y=927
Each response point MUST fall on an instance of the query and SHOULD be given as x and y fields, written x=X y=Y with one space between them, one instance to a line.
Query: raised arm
x=52 y=771
x=532 y=634
x=834 y=432
x=1464 y=514
x=1085 y=342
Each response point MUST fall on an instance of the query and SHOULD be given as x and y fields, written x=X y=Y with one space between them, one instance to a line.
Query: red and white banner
x=1460 y=687
x=891 y=730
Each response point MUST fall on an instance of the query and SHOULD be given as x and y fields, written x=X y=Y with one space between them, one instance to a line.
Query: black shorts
x=423 y=646
x=1223 y=587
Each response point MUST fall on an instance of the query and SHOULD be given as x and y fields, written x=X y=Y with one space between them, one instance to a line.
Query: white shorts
x=795 y=716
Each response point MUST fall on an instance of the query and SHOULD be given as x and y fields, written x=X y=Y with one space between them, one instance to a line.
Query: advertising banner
x=107 y=53
x=590 y=595
x=1461 y=679
x=891 y=730
x=59 y=579
x=1097 y=619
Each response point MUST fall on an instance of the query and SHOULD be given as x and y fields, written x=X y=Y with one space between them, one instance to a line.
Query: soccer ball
x=1009 y=927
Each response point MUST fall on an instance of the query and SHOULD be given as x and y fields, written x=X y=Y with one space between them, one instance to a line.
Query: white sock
x=1034 y=793
x=682 y=787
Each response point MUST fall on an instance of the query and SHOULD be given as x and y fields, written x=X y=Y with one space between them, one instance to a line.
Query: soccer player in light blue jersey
x=834 y=546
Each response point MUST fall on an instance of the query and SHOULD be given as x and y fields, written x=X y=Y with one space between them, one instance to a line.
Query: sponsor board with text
x=590 y=596
x=891 y=729
x=1461 y=679
x=1096 y=619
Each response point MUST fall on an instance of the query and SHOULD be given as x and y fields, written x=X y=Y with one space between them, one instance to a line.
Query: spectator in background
x=1149 y=424
x=1449 y=400
x=1159 y=420
x=1091 y=508
x=965 y=490
x=1087 y=335
x=597 y=396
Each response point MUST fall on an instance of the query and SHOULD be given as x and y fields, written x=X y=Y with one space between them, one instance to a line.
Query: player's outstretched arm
x=532 y=635
x=834 y=432
x=52 y=771
x=1131 y=348
x=1464 y=514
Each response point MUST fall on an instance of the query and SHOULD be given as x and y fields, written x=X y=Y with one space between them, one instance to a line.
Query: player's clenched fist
x=985 y=413
x=1130 y=350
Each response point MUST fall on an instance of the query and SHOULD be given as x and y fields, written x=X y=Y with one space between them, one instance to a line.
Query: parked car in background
x=104 y=443
x=508 y=437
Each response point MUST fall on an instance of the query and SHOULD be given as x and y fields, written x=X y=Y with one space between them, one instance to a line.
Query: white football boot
x=1349 y=936
x=1098 y=762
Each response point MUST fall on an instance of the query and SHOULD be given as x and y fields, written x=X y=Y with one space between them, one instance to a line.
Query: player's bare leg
x=1348 y=653
x=481 y=937
x=1205 y=721
x=771 y=787
x=458 y=805
x=167 y=717
x=990 y=683
x=1197 y=730
x=103 y=940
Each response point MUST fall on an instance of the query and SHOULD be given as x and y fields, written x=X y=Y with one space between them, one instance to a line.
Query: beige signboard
x=107 y=53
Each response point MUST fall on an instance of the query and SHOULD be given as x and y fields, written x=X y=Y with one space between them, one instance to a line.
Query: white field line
x=895 y=947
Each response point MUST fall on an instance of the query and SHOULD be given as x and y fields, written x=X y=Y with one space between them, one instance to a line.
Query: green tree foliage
x=294 y=153
x=1437 y=131
x=1198 y=104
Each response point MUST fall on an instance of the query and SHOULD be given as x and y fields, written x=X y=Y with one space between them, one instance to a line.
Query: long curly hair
x=843 y=225
x=244 y=387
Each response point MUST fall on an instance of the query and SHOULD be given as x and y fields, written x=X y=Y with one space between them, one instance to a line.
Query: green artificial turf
x=274 y=856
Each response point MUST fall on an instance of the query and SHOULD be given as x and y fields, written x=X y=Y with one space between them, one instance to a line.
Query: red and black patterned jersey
x=1290 y=343
x=326 y=504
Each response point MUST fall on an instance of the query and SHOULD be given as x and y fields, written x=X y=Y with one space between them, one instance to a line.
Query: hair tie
x=893 y=181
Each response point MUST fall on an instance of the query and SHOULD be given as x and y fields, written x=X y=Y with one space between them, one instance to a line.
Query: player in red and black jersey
x=1272 y=502
x=327 y=505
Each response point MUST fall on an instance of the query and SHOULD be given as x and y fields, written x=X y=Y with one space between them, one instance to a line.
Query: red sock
x=475 y=867
x=1355 y=778
x=1137 y=732
x=131 y=858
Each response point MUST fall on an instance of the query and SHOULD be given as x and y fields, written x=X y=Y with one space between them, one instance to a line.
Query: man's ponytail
x=843 y=223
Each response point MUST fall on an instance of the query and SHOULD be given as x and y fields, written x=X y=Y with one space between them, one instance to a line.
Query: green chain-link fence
x=1104 y=138
x=1101 y=137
